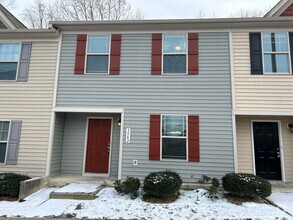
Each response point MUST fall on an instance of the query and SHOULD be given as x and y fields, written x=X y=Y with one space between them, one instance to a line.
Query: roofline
x=279 y=8
x=22 y=34
x=172 y=24
x=17 y=24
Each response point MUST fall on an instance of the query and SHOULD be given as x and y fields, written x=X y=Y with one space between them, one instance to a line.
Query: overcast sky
x=155 y=9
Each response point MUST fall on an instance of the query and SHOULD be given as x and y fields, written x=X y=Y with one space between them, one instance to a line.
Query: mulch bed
x=8 y=198
x=239 y=200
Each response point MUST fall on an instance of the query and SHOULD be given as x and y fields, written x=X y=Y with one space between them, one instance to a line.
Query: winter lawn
x=113 y=206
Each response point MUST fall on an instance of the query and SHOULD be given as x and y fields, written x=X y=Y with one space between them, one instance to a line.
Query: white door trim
x=85 y=148
x=280 y=145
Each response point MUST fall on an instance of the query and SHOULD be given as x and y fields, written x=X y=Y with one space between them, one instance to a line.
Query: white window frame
x=12 y=61
x=7 y=141
x=263 y=54
x=175 y=137
x=101 y=54
x=186 y=54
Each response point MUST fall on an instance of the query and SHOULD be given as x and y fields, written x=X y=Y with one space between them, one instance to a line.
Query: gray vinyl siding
x=57 y=144
x=141 y=94
x=74 y=143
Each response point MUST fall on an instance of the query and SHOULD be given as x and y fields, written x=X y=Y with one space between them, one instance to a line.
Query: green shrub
x=246 y=185
x=129 y=186
x=213 y=190
x=162 y=184
x=9 y=183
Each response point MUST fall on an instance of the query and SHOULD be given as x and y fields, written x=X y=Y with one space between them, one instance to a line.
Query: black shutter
x=255 y=53
x=291 y=49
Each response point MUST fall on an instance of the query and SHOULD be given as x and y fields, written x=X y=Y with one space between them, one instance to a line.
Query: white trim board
x=282 y=161
x=263 y=113
x=88 y=110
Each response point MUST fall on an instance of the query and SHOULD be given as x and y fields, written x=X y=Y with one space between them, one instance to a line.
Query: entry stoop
x=77 y=191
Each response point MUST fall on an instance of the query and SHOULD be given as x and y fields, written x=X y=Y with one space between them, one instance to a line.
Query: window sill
x=174 y=160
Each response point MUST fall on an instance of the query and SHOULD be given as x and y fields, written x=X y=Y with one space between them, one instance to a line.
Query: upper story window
x=174 y=53
x=97 y=57
x=174 y=137
x=4 y=130
x=9 y=57
x=276 y=52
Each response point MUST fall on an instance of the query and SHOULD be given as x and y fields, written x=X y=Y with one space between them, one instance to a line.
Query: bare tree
x=201 y=15
x=39 y=13
x=8 y=3
x=246 y=13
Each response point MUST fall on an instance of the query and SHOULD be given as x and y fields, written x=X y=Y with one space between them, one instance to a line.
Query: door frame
x=282 y=164
x=85 y=148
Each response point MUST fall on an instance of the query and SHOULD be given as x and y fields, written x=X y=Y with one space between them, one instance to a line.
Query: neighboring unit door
x=98 y=146
x=267 y=150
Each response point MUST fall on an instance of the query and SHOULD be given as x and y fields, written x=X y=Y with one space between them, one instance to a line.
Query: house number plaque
x=128 y=134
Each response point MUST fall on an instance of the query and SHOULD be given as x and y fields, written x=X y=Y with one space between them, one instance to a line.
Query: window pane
x=174 y=43
x=9 y=51
x=276 y=63
x=4 y=136
x=97 y=64
x=5 y=125
x=174 y=148
x=98 y=44
x=2 y=152
x=8 y=71
x=174 y=125
x=174 y=63
x=275 y=42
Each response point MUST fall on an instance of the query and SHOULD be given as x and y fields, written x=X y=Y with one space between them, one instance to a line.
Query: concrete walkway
x=283 y=200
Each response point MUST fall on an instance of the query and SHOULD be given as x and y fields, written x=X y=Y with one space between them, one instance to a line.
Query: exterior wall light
x=119 y=122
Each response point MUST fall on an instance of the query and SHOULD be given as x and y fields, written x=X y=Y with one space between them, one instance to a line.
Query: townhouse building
x=263 y=92
x=126 y=98
x=27 y=76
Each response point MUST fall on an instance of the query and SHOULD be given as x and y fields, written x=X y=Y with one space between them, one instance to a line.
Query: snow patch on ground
x=78 y=188
x=13 y=209
x=109 y=204
x=283 y=200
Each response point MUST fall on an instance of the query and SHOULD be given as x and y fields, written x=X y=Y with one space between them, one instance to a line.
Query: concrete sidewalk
x=283 y=200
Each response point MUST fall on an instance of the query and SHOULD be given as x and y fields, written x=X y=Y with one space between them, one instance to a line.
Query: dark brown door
x=267 y=150
x=98 y=146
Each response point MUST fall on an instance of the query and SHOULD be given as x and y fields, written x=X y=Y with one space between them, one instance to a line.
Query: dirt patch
x=8 y=198
x=150 y=199
x=240 y=200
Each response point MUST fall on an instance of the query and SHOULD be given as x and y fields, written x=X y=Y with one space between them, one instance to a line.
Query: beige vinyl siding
x=244 y=143
x=272 y=93
x=31 y=102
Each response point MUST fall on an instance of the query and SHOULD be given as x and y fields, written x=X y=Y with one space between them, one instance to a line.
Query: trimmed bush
x=246 y=185
x=129 y=186
x=9 y=183
x=162 y=184
x=213 y=189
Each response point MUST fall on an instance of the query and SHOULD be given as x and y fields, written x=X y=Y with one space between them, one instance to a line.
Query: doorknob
x=108 y=149
x=278 y=154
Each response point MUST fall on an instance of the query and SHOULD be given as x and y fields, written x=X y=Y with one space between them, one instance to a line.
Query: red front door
x=98 y=146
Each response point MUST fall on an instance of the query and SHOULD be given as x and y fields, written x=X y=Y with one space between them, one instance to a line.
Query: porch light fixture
x=290 y=126
x=119 y=122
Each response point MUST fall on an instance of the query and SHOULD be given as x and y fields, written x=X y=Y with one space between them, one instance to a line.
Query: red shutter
x=193 y=138
x=115 y=54
x=156 y=54
x=80 y=54
x=155 y=126
x=192 y=53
